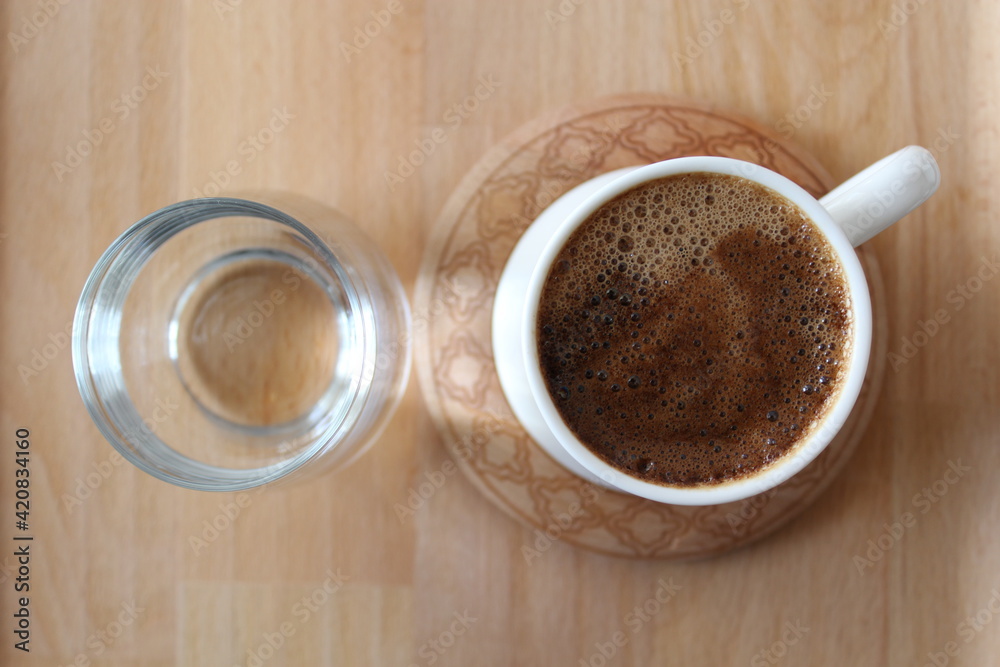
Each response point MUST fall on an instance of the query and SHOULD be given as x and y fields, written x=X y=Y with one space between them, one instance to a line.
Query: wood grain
x=224 y=70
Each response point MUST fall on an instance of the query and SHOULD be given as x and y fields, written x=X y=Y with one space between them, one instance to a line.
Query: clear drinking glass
x=220 y=344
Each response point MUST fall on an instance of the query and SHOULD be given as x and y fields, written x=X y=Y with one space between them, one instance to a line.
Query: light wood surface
x=327 y=569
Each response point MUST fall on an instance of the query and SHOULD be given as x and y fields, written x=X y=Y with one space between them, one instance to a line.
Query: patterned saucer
x=476 y=232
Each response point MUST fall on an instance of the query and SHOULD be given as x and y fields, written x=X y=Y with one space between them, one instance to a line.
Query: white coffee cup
x=848 y=216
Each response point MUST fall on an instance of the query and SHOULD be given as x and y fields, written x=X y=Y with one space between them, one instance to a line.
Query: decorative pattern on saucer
x=476 y=232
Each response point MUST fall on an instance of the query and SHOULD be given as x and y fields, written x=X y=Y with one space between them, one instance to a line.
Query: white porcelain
x=848 y=216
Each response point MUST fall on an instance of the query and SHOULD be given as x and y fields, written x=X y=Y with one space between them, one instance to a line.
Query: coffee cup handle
x=878 y=196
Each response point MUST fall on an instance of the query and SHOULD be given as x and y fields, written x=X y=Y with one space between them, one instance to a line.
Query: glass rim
x=107 y=286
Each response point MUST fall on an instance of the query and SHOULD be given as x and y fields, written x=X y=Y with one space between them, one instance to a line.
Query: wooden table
x=160 y=96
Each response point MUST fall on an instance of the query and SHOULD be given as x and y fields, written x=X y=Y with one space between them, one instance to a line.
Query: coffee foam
x=692 y=330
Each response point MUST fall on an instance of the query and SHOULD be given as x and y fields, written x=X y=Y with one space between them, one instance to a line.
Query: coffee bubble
x=714 y=317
